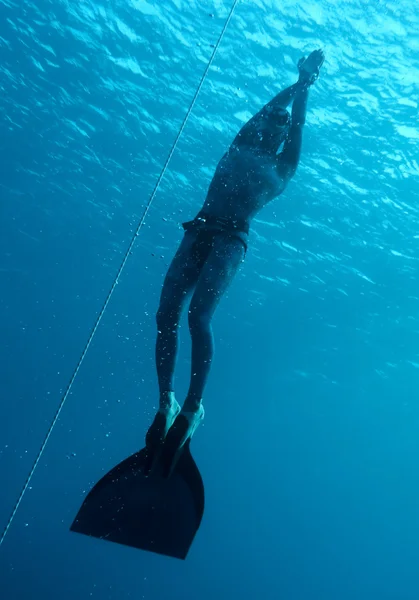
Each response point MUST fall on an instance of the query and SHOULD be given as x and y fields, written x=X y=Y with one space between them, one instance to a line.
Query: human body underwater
x=154 y=499
x=249 y=176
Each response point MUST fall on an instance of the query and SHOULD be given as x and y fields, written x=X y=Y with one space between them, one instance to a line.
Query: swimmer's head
x=283 y=124
x=273 y=132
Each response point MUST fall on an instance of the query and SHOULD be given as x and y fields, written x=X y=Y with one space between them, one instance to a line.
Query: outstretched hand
x=309 y=68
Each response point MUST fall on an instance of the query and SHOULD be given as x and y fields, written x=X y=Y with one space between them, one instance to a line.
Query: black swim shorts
x=207 y=228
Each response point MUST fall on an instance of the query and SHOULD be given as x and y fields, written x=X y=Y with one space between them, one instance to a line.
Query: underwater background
x=309 y=449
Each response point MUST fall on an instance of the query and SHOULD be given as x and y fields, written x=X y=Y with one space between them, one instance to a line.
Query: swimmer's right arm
x=289 y=158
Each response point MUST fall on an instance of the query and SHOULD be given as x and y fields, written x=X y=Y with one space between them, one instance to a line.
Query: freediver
x=251 y=174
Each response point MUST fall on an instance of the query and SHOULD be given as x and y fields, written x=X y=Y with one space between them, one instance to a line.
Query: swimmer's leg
x=214 y=280
x=178 y=285
x=216 y=276
x=179 y=282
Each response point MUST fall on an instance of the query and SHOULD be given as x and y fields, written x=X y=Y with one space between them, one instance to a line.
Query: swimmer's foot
x=309 y=68
x=163 y=421
x=178 y=436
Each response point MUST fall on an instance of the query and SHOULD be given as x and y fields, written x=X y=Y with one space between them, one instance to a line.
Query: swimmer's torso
x=243 y=183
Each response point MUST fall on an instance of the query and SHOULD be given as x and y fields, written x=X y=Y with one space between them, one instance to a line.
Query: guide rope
x=115 y=281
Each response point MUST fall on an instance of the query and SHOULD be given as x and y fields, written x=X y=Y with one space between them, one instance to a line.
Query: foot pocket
x=163 y=421
x=179 y=434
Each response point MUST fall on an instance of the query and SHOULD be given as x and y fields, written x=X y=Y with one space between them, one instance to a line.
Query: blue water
x=309 y=451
